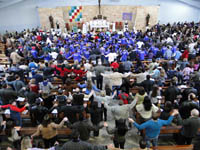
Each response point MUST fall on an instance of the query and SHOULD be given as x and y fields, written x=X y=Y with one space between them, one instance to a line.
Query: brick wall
x=113 y=14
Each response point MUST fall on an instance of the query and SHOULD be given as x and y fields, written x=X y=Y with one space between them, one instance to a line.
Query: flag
x=75 y=13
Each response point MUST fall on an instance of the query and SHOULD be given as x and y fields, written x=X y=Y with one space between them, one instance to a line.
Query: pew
x=30 y=130
x=170 y=129
x=169 y=147
x=175 y=147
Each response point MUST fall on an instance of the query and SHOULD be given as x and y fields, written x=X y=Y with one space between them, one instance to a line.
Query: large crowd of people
x=74 y=79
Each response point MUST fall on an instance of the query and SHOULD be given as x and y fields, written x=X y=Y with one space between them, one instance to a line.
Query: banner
x=127 y=16
x=75 y=13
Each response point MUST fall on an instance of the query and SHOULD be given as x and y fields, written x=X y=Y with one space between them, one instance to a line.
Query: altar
x=99 y=24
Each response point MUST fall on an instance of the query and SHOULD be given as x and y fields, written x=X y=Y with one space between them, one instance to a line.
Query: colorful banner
x=75 y=13
x=127 y=16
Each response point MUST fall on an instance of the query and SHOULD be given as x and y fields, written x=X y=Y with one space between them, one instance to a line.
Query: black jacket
x=78 y=98
x=8 y=95
x=186 y=108
x=190 y=127
x=171 y=93
x=148 y=85
x=84 y=128
x=38 y=113
x=81 y=145
x=96 y=115
x=71 y=111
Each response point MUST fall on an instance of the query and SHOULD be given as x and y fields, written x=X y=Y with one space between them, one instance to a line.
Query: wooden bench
x=136 y=89
x=171 y=129
x=31 y=130
x=175 y=147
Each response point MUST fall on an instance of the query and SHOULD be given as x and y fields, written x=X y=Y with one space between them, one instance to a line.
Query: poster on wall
x=75 y=13
x=127 y=16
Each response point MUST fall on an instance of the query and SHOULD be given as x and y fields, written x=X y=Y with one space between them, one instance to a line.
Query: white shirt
x=111 y=57
x=140 y=76
x=140 y=43
x=54 y=55
x=146 y=114
x=87 y=66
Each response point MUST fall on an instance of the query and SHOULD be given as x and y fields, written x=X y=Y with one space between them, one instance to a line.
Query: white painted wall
x=173 y=11
x=19 y=16
x=24 y=14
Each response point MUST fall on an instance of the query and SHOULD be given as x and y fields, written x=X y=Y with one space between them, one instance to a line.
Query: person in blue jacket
x=76 y=57
x=153 y=127
x=89 y=87
x=124 y=55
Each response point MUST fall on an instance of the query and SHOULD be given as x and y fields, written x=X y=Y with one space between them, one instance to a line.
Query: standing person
x=154 y=94
x=83 y=127
x=111 y=57
x=104 y=98
x=141 y=95
x=145 y=109
x=77 y=144
x=45 y=90
x=12 y=133
x=99 y=78
x=121 y=111
x=96 y=114
x=115 y=78
x=153 y=127
x=17 y=83
x=190 y=128
x=148 y=84
x=15 y=57
x=15 y=112
x=48 y=131
x=119 y=133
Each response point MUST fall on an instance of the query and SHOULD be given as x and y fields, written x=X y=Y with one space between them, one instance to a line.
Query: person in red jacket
x=114 y=65
x=124 y=97
x=15 y=112
x=185 y=55
x=79 y=73
x=62 y=72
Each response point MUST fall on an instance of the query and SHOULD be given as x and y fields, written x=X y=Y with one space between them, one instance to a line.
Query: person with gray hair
x=189 y=129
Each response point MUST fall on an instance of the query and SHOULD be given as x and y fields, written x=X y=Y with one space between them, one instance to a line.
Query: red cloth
x=96 y=37
x=62 y=71
x=185 y=54
x=124 y=100
x=34 y=88
x=79 y=74
x=13 y=108
x=114 y=65
x=39 y=38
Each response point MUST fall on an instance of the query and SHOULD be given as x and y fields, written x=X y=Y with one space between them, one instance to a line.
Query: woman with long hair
x=89 y=89
x=48 y=131
x=119 y=133
x=145 y=109
x=154 y=94
x=140 y=95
